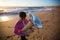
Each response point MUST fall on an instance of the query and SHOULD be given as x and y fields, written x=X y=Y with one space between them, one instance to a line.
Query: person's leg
x=23 y=38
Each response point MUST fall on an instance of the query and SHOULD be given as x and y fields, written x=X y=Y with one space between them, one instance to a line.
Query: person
x=20 y=25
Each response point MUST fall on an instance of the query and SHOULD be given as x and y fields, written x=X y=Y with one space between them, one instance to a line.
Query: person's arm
x=29 y=24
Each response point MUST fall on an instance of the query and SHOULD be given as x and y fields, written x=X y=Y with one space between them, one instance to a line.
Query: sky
x=29 y=2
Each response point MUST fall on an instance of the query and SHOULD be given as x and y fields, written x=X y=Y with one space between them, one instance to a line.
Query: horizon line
x=24 y=6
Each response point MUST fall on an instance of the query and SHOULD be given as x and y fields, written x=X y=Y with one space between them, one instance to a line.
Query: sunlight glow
x=4 y=18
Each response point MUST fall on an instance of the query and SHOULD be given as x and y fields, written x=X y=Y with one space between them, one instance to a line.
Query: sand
x=50 y=30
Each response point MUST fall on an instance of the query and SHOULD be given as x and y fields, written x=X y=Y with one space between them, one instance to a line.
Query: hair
x=22 y=15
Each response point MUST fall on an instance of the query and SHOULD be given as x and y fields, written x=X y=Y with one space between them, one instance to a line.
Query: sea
x=12 y=12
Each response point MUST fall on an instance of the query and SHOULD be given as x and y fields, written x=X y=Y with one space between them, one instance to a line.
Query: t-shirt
x=19 y=26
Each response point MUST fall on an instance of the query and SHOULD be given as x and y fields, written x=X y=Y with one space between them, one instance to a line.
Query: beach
x=50 y=26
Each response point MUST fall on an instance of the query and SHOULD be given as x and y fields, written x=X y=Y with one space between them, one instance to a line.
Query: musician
x=20 y=25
